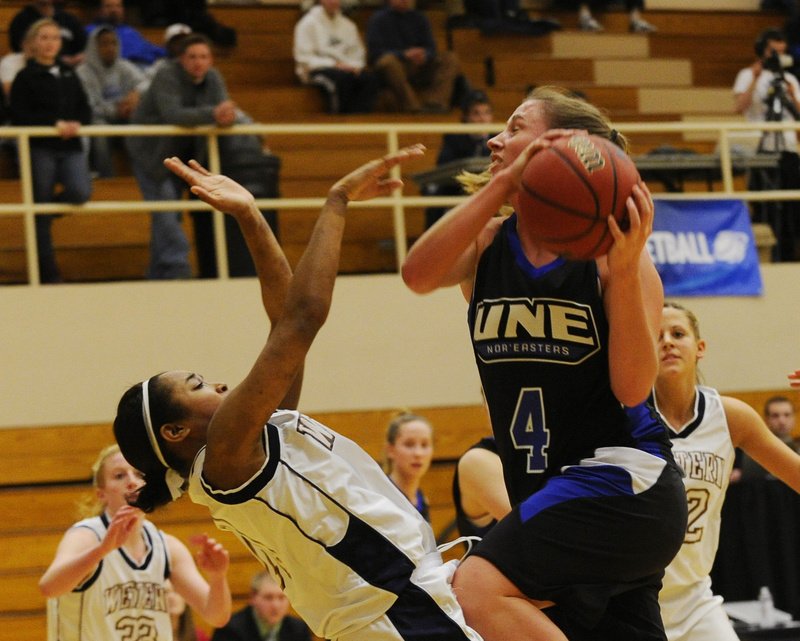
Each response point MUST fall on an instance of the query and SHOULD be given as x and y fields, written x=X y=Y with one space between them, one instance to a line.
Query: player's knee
x=470 y=586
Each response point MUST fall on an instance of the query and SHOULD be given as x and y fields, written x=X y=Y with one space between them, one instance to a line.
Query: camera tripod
x=782 y=216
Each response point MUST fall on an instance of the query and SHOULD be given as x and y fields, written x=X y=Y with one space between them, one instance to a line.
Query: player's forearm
x=217 y=610
x=272 y=268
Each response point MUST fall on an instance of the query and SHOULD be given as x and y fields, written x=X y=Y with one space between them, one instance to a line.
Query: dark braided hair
x=131 y=434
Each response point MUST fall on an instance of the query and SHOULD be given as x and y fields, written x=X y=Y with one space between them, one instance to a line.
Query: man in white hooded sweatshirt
x=329 y=53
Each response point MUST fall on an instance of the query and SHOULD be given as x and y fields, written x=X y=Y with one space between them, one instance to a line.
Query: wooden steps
x=684 y=70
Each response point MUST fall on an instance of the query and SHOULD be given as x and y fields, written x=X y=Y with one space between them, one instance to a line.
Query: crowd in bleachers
x=390 y=62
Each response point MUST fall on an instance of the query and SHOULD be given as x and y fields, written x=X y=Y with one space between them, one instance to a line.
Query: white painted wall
x=68 y=352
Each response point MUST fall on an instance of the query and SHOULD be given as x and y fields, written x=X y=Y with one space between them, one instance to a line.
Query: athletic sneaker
x=588 y=23
x=641 y=26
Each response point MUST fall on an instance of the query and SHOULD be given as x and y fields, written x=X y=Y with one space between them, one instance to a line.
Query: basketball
x=570 y=189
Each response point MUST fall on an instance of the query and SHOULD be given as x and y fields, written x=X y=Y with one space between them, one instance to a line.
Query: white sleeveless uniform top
x=122 y=601
x=347 y=546
x=704 y=450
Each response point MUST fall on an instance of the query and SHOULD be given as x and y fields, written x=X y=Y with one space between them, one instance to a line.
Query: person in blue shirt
x=134 y=46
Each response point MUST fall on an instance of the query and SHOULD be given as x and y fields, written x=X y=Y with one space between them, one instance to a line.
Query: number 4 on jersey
x=528 y=431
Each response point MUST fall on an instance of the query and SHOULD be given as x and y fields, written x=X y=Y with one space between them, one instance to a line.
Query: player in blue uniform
x=566 y=354
x=479 y=495
x=354 y=556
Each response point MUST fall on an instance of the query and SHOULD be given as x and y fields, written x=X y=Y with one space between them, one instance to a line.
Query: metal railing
x=722 y=131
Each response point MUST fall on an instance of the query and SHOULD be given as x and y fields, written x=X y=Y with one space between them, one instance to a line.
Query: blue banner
x=705 y=248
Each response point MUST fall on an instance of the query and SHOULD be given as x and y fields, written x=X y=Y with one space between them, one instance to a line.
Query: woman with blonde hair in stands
x=110 y=569
x=408 y=453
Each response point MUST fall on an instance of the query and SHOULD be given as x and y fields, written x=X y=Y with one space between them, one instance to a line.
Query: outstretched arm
x=272 y=268
x=230 y=197
x=210 y=596
x=79 y=552
x=235 y=450
x=750 y=433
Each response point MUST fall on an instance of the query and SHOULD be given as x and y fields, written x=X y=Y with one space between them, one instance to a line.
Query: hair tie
x=614 y=135
x=173 y=480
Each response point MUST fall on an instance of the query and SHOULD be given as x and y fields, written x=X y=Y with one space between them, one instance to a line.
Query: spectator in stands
x=402 y=50
x=182 y=617
x=174 y=36
x=505 y=16
x=133 y=45
x=73 y=36
x=329 y=53
x=11 y=63
x=48 y=92
x=112 y=85
x=636 y=23
x=266 y=618
x=779 y=415
x=476 y=109
x=115 y=547
x=186 y=91
x=160 y=13
x=764 y=91
x=408 y=452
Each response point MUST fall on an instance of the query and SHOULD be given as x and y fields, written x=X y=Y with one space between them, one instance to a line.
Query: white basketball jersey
x=122 y=601
x=332 y=528
x=704 y=449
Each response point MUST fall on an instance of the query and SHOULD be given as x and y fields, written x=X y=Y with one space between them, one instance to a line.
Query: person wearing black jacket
x=73 y=33
x=266 y=618
x=48 y=92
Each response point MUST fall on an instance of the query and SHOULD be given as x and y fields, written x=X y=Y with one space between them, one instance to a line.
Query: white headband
x=174 y=480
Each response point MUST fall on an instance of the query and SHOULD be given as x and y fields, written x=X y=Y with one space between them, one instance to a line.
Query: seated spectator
x=174 y=36
x=133 y=45
x=266 y=618
x=160 y=13
x=476 y=109
x=48 y=92
x=403 y=52
x=779 y=415
x=11 y=63
x=636 y=24
x=186 y=91
x=112 y=85
x=505 y=16
x=329 y=53
x=73 y=36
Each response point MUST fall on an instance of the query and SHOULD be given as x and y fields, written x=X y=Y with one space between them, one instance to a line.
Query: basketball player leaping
x=600 y=507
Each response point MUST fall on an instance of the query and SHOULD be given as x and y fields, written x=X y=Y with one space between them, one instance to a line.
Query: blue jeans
x=48 y=168
x=169 y=247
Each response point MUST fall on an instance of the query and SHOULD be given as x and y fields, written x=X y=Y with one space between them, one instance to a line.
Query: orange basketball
x=570 y=189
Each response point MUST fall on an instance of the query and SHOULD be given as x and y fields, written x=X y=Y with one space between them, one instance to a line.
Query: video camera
x=776 y=98
x=776 y=62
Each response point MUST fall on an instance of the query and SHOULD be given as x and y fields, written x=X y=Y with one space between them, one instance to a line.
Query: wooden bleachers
x=685 y=70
